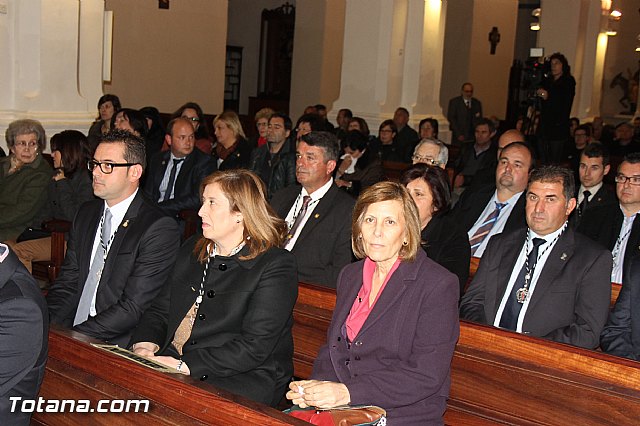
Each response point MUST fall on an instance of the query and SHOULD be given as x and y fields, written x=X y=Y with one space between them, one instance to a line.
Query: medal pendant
x=527 y=277
x=199 y=299
x=521 y=295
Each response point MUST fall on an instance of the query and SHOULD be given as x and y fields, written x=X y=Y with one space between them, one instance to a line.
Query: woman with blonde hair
x=231 y=151
x=225 y=313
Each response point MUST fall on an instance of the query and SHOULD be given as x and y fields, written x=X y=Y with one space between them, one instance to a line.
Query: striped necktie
x=478 y=237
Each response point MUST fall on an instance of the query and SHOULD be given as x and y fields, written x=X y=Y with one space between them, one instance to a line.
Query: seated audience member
x=476 y=156
x=614 y=225
x=120 y=248
x=317 y=212
x=24 y=176
x=275 y=163
x=310 y=109
x=231 y=151
x=308 y=123
x=359 y=124
x=431 y=152
x=69 y=188
x=132 y=121
x=594 y=166
x=358 y=168
x=498 y=207
x=262 y=121
x=581 y=138
x=321 y=110
x=442 y=239
x=173 y=177
x=486 y=175
x=24 y=331
x=235 y=329
x=385 y=146
x=429 y=129
x=406 y=138
x=547 y=281
x=621 y=335
x=395 y=324
x=108 y=105
x=192 y=111
x=624 y=143
x=156 y=135
x=342 y=118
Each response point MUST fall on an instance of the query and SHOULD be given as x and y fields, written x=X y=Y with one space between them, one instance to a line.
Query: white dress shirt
x=291 y=217
x=620 y=248
x=167 y=173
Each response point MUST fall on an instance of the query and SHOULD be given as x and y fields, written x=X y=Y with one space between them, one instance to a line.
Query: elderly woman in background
x=225 y=313
x=262 y=124
x=442 y=239
x=24 y=176
x=358 y=168
x=232 y=151
x=68 y=189
x=108 y=105
x=194 y=113
x=395 y=324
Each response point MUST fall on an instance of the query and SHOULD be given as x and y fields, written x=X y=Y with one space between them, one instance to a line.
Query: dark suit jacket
x=24 y=333
x=604 y=197
x=621 y=335
x=571 y=299
x=195 y=168
x=323 y=247
x=140 y=258
x=242 y=339
x=602 y=224
x=472 y=203
x=400 y=359
x=238 y=159
x=462 y=119
x=448 y=245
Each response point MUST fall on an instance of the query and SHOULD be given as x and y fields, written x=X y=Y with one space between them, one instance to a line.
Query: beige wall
x=490 y=73
x=317 y=54
x=165 y=58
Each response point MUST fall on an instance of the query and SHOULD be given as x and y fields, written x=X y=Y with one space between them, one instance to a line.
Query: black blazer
x=238 y=159
x=242 y=339
x=140 y=258
x=323 y=247
x=603 y=224
x=571 y=300
x=23 y=339
x=447 y=244
x=604 y=197
x=195 y=168
x=621 y=335
x=472 y=203
x=463 y=119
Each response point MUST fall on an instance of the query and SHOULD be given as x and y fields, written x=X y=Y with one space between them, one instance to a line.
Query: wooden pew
x=501 y=377
x=76 y=370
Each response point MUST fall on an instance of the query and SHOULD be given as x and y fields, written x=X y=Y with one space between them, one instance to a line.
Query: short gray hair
x=443 y=153
x=26 y=127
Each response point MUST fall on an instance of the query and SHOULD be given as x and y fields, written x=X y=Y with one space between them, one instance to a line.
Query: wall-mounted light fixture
x=534 y=25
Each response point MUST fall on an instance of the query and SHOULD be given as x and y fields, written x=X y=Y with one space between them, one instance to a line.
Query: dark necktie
x=478 y=237
x=172 y=178
x=303 y=210
x=584 y=202
x=512 y=308
x=95 y=272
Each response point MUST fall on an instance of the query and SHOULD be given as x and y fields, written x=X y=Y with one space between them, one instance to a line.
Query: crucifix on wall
x=494 y=39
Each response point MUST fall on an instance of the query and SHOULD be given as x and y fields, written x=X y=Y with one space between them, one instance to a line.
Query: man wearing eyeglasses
x=120 y=249
x=431 y=152
x=615 y=226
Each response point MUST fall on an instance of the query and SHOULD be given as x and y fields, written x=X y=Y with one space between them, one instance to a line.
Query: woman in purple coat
x=395 y=324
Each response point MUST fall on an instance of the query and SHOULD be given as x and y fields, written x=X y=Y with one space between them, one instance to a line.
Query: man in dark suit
x=174 y=176
x=23 y=338
x=120 y=250
x=463 y=113
x=498 y=207
x=318 y=213
x=476 y=156
x=614 y=225
x=546 y=281
x=593 y=167
x=406 y=138
x=621 y=335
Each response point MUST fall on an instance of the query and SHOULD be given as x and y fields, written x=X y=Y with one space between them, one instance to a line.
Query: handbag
x=348 y=415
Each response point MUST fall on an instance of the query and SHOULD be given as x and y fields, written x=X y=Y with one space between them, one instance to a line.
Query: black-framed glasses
x=106 y=168
x=633 y=180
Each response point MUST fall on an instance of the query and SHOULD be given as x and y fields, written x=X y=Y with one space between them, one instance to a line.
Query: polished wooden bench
x=501 y=377
x=76 y=370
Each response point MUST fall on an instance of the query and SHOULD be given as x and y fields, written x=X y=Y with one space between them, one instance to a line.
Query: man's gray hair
x=443 y=153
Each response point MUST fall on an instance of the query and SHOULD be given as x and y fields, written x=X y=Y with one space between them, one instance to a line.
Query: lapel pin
x=316 y=215
x=125 y=223
x=564 y=256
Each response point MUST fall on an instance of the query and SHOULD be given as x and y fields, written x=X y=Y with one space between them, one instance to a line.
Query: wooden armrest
x=56 y=225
